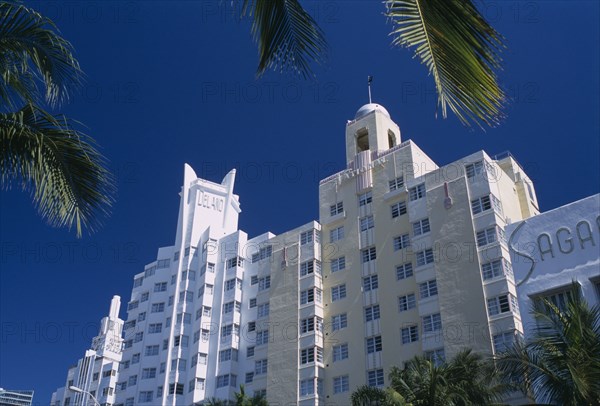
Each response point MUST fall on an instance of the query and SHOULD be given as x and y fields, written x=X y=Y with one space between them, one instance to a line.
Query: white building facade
x=408 y=258
x=96 y=373
x=555 y=249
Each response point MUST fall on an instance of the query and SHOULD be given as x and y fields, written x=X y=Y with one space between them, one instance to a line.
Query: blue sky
x=173 y=82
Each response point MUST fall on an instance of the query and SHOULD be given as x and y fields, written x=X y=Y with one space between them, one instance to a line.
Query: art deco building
x=95 y=375
x=16 y=397
x=408 y=258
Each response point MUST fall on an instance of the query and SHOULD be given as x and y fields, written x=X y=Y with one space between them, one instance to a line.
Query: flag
x=370 y=79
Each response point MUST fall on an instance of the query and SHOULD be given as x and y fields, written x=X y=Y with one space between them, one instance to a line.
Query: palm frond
x=460 y=50
x=31 y=49
x=288 y=38
x=59 y=165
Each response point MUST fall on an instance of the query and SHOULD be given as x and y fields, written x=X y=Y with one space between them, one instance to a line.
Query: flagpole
x=369 y=80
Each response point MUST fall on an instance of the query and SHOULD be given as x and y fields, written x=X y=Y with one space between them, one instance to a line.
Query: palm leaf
x=461 y=51
x=31 y=49
x=59 y=165
x=288 y=37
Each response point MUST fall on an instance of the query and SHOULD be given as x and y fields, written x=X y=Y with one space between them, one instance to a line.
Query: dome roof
x=367 y=108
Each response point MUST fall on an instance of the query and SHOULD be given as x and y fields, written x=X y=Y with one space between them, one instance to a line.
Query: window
x=228 y=355
x=309 y=267
x=416 y=192
x=410 y=334
x=262 y=337
x=338 y=292
x=260 y=367
x=374 y=344
x=490 y=235
x=263 y=253
x=396 y=184
x=496 y=268
x=425 y=257
x=313 y=323
x=154 y=328
x=151 y=350
x=308 y=355
x=474 y=169
x=178 y=364
x=398 y=209
x=307 y=387
x=307 y=237
x=235 y=261
x=181 y=340
x=310 y=295
x=145 y=297
x=337 y=208
x=485 y=203
x=187 y=296
x=263 y=310
x=558 y=298
x=437 y=356
x=421 y=227
x=368 y=254
x=230 y=284
x=404 y=271
x=249 y=352
x=372 y=313
x=504 y=341
x=188 y=275
x=157 y=307
x=133 y=305
x=370 y=283
x=375 y=377
x=132 y=380
x=338 y=264
x=249 y=377
x=138 y=337
x=406 y=302
x=145 y=396
x=336 y=234
x=428 y=289
x=402 y=241
x=148 y=373
x=339 y=322
x=160 y=287
x=502 y=304
x=365 y=199
x=163 y=263
x=432 y=322
x=340 y=352
x=227 y=307
x=138 y=282
x=176 y=389
x=341 y=384
x=366 y=223
x=264 y=283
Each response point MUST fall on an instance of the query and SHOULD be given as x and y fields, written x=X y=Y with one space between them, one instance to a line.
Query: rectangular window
x=490 y=235
x=154 y=328
x=249 y=352
x=307 y=387
x=365 y=199
x=437 y=356
x=133 y=305
x=151 y=350
x=228 y=355
x=249 y=377
x=260 y=367
x=372 y=313
x=406 y=302
x=375 y=377
x=340 y=352
x=309 y=267
x=312 y=354
x=163 y=263
x=252 y=303
x=339 y=322
x=227 y=307
x=138 y=282
x=145 y=297
x=310 y=295
x=235 y=261
x=313 y=323
x=421 y=227
x=374 y=344
x=502 y=304
x=410 y=334
x=416 y=192
x=398 y=209
x=262 y=337
x=230 y=284
x=307 y=237
x=432 y=322
x=404 y=271
x=188 y=275
x=263 y=310
x=264 y=283
x=341 y=384
x=366 y=223
x=425 y=257
x=338 y=264
x=145 y=396
x=496 y=268
x=428 y=289
x=504 y=341
x=263 y=253
x=401 y=242
x=160 y=287
x=226 y=380
x=396 y=184
x=148 y=373
x=474 y=169
x=254 y=280
x=338 y=292
x=336 y=209
x=370 y=283
x=157 y=307
x=336 y=234
x=368 y=254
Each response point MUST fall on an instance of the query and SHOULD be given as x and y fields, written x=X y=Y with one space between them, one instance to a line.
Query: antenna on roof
x=369 y=80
